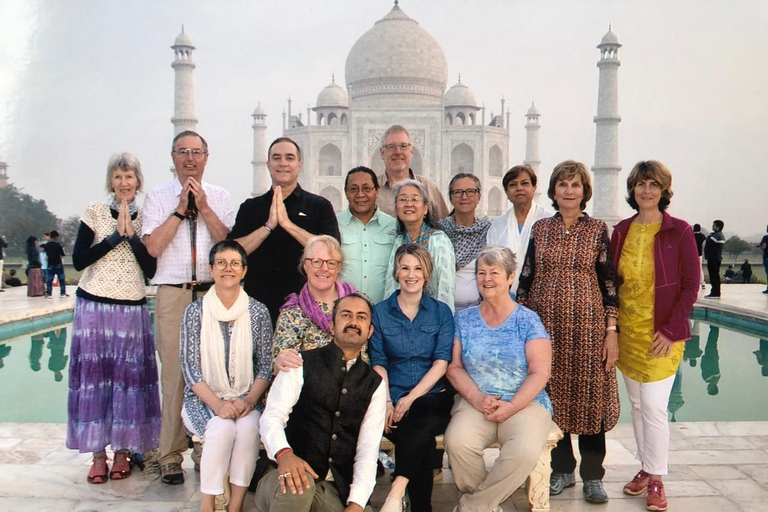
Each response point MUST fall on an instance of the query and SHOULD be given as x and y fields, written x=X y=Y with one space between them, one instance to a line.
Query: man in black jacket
x=323 y=422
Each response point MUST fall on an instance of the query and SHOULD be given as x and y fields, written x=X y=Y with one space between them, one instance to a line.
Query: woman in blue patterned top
x=501 y=363
x=226 y=355
x=411 y=348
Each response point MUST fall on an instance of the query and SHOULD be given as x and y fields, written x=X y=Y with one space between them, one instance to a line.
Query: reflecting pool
x=723 y=377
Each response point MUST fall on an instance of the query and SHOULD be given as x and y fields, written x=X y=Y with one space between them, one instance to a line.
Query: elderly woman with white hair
x=113 y=391
x=415 y=226
x=500 y=366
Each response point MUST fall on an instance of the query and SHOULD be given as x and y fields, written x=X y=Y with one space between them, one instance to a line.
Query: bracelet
x=178 y=215
x=389 y=401
x=266 y=226
x=282 y=452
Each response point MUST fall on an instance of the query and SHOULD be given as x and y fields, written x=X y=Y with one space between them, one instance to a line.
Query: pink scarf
x=312 y=309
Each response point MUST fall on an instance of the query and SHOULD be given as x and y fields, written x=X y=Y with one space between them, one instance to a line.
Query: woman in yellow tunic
x=658 y=273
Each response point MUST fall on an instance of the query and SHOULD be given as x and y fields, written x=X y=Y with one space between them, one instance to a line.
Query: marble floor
x=714 y=467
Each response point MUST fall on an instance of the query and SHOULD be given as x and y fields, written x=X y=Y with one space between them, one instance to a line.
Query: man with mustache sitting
x=323 y=423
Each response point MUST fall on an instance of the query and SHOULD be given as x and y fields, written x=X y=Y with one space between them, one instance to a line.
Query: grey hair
x=498 y=255
x=396 y=128
x=331 y=243
x=410 y=183
x=127 y=162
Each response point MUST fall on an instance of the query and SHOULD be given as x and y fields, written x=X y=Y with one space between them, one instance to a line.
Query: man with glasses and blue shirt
x=274 y=228
x=367 y=234
x=397 y=151
x=182 y=220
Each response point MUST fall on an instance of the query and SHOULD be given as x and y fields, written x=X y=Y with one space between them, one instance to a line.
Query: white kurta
x=505 y=231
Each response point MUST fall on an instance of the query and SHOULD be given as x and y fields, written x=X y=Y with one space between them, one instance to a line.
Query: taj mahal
x=397 y=73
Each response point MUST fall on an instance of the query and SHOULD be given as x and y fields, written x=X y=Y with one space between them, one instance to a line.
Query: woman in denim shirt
x=410 y=349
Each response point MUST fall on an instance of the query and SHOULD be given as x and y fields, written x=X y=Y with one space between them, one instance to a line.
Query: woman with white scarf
x=226 y=355
x=513 y=229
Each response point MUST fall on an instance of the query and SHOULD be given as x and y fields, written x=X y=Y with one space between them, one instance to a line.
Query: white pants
x=650 y=421
x=228 y=445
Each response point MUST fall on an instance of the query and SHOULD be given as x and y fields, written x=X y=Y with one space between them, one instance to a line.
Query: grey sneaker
x=594 y=492
x=559 y=481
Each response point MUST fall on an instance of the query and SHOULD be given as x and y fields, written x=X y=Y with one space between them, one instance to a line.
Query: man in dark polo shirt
x=323 y=422
x=274 y=228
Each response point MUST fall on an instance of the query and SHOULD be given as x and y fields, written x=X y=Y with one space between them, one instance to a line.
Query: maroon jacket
x=676 y=269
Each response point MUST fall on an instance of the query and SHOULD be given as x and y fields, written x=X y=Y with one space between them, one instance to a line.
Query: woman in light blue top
x=501 y=363
x=415 y=226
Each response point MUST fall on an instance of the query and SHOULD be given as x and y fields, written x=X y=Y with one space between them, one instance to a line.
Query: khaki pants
x=169 y=311
x=522 y=438
x=320 y=497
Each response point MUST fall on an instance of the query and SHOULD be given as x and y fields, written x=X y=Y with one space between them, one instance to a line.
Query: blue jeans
x=55 y=270
x=765 y=266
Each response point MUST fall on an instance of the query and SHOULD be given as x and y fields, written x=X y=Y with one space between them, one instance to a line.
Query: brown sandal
x=99 y=470
x=121 y=467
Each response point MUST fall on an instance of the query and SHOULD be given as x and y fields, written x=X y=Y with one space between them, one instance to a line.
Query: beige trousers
x=171 y=303
x=522 y=437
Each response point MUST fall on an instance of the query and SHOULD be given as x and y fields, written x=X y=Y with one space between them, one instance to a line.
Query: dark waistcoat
x=325 y=423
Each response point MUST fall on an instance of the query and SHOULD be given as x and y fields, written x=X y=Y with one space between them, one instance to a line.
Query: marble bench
x=537 y=485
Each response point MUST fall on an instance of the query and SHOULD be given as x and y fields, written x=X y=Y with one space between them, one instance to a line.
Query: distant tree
x=21 y=215
x=735 y=246
x=68 y=232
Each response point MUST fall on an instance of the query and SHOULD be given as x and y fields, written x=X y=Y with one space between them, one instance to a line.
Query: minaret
x=184 y=91
x=532 y=158
x=3 y=173
x=606 y=168
x=261 y=179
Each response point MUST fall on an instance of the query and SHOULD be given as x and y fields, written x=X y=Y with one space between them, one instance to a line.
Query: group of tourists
x=316 y=334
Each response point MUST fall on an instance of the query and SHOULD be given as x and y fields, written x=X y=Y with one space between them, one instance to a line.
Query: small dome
x=332 y=96
x=459 y=96
x=609 y=38
x=259 y=110
x=183 y=40
x=533 y=111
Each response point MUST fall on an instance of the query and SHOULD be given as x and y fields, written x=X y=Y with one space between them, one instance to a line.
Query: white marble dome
x=609 y=38
x=259 y=110
x=396 y=63
x=183 y=40
x=459 y=96
x=533 y=111
x=332 y=96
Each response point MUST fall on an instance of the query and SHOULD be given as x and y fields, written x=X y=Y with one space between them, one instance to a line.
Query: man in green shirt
x=367 y=234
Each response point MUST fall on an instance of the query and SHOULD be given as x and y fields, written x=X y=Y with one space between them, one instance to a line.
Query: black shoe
x=594 y=492
x=560 y=481
x=172 y=474
x=765 y=291
x=710 y=296
x=65 y=294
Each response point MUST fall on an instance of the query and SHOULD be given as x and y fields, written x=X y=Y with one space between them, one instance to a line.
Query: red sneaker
x=638 y=485
x=657 y=498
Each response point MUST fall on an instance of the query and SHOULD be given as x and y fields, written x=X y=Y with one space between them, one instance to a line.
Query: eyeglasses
x=222 y=264
x=197 y=154
x=365 y=190
x=403 y=146
x=470 y=192
x=318 y=263
x=406 y=200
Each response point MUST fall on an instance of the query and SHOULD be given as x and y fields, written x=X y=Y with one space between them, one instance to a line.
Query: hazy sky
x=80 y=80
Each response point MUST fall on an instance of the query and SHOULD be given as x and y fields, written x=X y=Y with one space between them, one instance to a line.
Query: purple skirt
x=113 y=389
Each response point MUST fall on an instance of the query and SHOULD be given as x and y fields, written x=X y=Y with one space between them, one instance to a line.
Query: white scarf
x=240 y=347
x=504 y=231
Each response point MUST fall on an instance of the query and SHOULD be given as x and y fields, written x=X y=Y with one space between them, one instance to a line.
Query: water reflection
x=762 y=357
x=36 y=352
x=57 y=343
x=676 y=401
x=710 y=362
x=4 y=351
x=692 y=347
